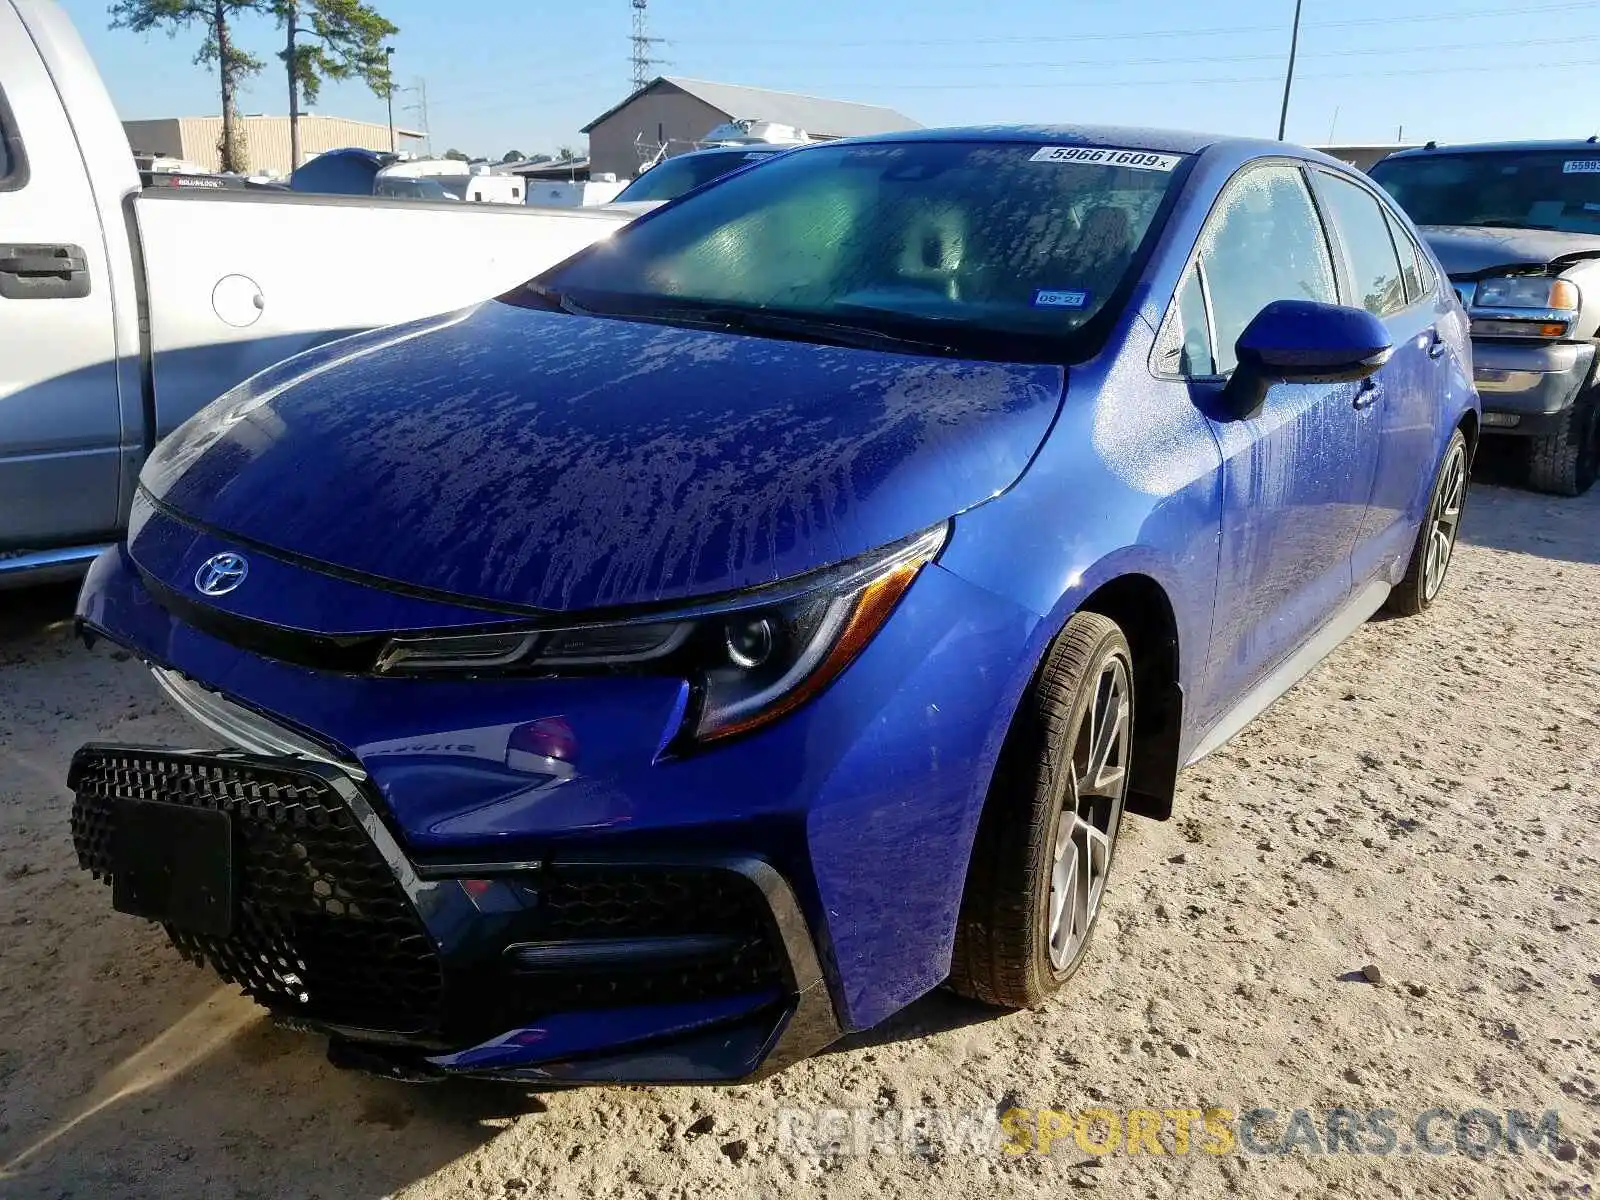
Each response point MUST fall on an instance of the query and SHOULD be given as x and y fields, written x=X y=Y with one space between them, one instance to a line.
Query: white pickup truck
x=122 y=311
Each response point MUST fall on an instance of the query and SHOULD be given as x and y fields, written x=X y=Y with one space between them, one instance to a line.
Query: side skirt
x=1296 y=667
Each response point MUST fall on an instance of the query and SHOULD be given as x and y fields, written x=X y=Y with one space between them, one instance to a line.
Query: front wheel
x=1436 y=540
x=1049 y=827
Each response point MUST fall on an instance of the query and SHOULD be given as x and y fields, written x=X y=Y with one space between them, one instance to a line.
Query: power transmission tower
x=421 y=109
x=642 y=41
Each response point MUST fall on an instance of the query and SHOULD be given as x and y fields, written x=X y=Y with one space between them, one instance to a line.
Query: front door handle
x=49 y=272
x=1368 y=394
x=1438 y=346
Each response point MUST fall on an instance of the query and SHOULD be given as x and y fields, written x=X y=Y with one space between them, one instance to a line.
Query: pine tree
x=233 y=64
x=330 y=39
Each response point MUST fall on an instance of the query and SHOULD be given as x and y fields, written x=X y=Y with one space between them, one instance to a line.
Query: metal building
x=675 y=113
x=266 y=139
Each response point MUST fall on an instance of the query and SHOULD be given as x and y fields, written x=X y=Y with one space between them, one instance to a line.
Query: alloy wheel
x=1091 y=813
x=1444 y=522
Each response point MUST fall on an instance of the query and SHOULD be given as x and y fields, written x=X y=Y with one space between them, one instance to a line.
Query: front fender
x=1128 y=484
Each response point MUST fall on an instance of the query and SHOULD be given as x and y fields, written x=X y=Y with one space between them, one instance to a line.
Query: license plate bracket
x=173 y=864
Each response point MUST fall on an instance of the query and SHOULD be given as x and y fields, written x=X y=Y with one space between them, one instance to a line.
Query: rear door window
x=1371 y=264
x=1410 y=262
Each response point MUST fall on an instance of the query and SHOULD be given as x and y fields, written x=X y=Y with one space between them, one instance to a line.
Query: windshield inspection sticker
x=1107 y=156
x=1581 y=166
x=1047 y=298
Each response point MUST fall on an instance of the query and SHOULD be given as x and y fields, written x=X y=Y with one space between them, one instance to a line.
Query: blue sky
x=527 y=74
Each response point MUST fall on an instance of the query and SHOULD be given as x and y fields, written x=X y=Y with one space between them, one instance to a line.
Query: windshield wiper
x=811 y=329
x=557 y=301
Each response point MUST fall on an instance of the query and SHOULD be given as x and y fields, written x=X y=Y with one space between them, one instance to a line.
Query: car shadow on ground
x=27 y=612
x=940 y=1011
x=1501 y=515
x=205 y=1102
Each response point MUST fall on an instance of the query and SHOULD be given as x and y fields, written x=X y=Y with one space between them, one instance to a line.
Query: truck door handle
x=1438 y=346
x=34 y=272
x=1368 y=394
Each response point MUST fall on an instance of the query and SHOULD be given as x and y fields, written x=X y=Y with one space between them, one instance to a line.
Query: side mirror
x=1303 y=341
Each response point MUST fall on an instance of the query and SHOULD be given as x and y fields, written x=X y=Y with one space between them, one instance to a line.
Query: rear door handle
x=1437 y=346
x=43 y=272
x=1368 y=394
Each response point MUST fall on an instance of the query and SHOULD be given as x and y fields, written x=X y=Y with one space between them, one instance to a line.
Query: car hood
x=1466 y=251
x=540 y=460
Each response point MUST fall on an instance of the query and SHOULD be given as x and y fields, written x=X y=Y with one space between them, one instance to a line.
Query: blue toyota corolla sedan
x=771 y=613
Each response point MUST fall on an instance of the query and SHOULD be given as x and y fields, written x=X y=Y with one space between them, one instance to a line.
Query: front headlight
x=1527 y=291
x=751 y=658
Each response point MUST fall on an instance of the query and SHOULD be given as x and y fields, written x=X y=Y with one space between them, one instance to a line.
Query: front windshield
x=1543 y=189
x=413 y=189
x=670 y=179
x=1000 y=249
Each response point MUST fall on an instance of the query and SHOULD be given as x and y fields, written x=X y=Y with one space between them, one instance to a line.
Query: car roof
x=1129 y=137
x=1165 y=141
x=1587 y=145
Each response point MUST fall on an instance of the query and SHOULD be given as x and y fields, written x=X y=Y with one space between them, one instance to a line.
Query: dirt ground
x=1426 y=802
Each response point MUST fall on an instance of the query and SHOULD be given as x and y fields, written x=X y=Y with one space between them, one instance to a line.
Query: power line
x=1167 y=60
x=497 y=93
x=1140 y=35
x=1587 y=63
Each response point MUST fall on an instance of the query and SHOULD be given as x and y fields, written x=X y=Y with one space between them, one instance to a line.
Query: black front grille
x=322 y=930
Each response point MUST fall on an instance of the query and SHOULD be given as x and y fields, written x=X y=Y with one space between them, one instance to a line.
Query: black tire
x=1414 y=594
x=1567 y=462
x=1002 y=951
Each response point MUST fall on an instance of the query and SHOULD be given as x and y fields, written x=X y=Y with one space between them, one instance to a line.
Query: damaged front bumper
x=567 y=971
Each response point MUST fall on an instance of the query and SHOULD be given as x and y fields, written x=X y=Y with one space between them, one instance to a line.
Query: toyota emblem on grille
x=221 y=573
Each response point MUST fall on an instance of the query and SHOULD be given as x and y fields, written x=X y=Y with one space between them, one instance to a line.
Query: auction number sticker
x=1581 y=166
x=1109 y=156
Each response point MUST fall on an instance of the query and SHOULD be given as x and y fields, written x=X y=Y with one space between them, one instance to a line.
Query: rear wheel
x=1048 y=833
x=1567 y=462
x=1436 y=540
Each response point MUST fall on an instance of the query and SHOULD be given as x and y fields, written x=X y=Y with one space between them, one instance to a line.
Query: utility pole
x=642 y=41
x=388 y=94
x=1288 y=79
